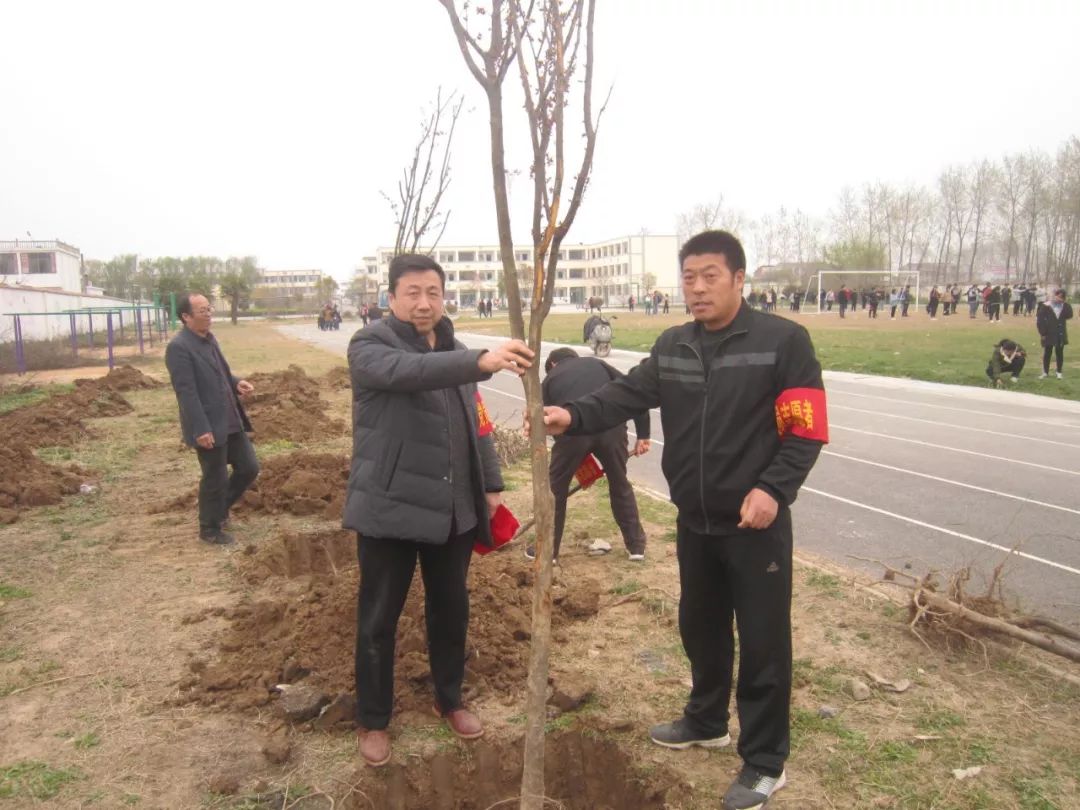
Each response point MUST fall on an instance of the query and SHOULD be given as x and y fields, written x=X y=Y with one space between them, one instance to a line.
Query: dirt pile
x=300 y=484
x=297 y=483
x=58 y=420
x=309 y=632
x=338 y=378
x=286 y=406
x=329 y=552
x=121 y=378
x=27 y=481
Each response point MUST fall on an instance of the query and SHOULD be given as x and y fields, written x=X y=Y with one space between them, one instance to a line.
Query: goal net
x=823 y=287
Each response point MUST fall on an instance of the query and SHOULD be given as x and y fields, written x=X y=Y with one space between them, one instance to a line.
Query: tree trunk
x=234 y=305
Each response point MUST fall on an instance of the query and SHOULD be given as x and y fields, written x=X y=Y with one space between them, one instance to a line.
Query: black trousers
x=609 y=448
x=1014 y=368
x=1058 y=350
x=748 y=577
x=218 y=490
x=386 y=572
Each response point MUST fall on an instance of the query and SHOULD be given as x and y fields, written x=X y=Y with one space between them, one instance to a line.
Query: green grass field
x=952 y=350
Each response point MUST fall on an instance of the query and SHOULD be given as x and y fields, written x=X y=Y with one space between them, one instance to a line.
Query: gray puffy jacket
x=399 y=482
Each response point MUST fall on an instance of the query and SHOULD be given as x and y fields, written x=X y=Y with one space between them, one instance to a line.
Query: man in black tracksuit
x=744 y=417
x=569 y=377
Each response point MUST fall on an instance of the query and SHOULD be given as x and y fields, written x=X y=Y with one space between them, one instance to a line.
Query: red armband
x=802 y=412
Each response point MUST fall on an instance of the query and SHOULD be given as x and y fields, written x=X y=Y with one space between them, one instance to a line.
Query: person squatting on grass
x=1050 y=320
x=744 y=416
x=212 y=417
x=423 y=482
x=1008 y=358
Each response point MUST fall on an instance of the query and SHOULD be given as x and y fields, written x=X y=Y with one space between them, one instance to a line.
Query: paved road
x=932 y=475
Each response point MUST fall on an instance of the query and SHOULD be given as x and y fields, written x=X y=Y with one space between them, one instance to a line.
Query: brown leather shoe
x=374 y=746
x=463 y=723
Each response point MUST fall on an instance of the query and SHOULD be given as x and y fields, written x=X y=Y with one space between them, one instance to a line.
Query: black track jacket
x=755 y=418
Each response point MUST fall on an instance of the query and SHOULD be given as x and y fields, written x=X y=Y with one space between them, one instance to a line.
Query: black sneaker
x=216 y=537
x=752 y=789
x=680 y=736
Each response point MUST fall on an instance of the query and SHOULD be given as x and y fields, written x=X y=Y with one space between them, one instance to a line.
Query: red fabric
x=484 y=421
x=503 y=528
x=802 y=412
x=589 y=472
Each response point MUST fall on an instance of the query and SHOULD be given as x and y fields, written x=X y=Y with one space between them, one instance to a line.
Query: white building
x=613 y=269
x=281 y=288
x=45 y=277
x=43 y=264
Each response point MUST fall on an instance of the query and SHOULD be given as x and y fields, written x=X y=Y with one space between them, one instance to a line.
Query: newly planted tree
x=552 y=44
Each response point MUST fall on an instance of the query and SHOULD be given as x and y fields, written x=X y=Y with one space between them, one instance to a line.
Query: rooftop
x=38 y=244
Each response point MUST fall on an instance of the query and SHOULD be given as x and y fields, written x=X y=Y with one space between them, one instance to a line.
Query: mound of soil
x=297 y=483
x=300 y=484
x=329 y=552
x=310 y=632
x=27 y=481
x=58 y=420
x=122 y=378
x=338 y=378
x=286 y=405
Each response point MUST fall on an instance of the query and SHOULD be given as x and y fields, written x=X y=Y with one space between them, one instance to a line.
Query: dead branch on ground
x=954 y=611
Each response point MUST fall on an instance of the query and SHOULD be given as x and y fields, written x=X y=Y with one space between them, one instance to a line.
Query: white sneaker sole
x=781 y=782
x=717 y=742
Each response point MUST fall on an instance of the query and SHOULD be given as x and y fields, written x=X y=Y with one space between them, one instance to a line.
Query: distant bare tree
x=425 y=180
x=1034 y=199
x=982 y=185
x=1009 y=201
x=709 y=216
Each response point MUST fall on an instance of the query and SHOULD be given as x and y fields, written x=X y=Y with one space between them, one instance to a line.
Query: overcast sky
x=231 y=128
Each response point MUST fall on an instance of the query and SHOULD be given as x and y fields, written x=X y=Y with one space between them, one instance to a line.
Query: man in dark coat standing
x=570 y=376
x=1051 y=321
x=422 y=484
x=212 y=417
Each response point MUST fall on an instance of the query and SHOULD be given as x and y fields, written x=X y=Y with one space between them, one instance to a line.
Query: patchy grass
x=13 y=591
x=34 y=780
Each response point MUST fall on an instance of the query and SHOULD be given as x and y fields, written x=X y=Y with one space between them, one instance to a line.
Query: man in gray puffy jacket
x=423 y=481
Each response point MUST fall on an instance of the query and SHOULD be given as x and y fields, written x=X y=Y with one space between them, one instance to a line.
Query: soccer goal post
x=860 y=281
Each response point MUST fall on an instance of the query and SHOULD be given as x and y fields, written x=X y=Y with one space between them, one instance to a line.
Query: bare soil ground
x=136 y=666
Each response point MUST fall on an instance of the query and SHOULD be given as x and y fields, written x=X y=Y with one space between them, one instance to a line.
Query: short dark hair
x=722 y=242
x=413 y=263
x=1061 y=291
x=183 y=303
x=1008 y=345
x=557 y=356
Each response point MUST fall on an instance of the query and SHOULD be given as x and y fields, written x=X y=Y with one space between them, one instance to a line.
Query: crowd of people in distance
x=654 y=303
x=992 y=299
x=329 y=318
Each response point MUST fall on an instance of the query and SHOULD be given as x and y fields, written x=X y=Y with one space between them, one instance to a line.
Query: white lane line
x=913 y=521
x=937 y=446
x=968 y=411
x=950 y=481
x=834 y=407
x=950 y=532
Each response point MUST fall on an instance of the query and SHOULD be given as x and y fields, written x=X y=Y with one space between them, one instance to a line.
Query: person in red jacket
x=744 y=419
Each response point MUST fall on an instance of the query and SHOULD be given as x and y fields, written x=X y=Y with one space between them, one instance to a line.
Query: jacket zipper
x=704 y=411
